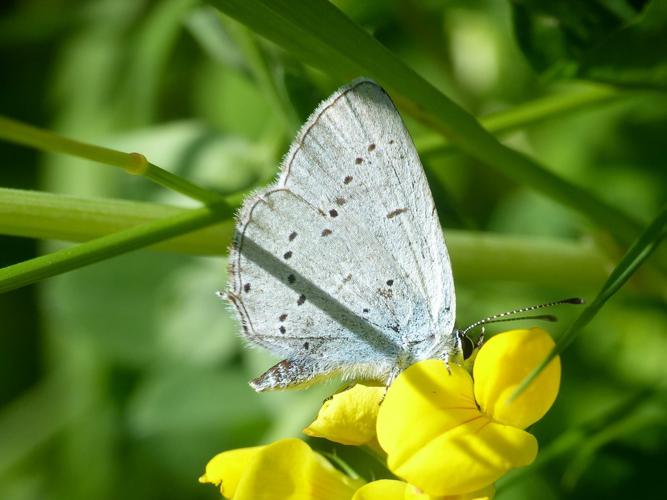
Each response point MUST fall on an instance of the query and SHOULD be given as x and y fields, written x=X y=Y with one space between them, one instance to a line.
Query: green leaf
x=604 y=40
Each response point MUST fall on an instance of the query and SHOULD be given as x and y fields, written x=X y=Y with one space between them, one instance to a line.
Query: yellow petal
x=422 y=403
x=226 y=468
x=467 y=458
x=483 y=494
x=502 y=363
x=287 y=469
x=349 y=417
x=389 y=489
x=384 y=489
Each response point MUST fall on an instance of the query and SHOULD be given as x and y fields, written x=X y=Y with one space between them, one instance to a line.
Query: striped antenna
x=497 y=318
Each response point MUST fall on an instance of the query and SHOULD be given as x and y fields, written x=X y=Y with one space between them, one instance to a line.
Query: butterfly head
x=466 y=347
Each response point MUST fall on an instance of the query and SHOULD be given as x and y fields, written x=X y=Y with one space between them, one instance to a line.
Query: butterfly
x=341 y=267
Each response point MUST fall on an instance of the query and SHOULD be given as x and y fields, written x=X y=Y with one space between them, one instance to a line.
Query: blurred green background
x=120 y=380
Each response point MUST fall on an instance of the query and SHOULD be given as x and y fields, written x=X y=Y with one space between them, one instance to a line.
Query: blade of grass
x=475 y=255
x=49 y=216
x=133 y=163
x=528 y=113
x=647 y=242
x=105 y=247
x=321 y=35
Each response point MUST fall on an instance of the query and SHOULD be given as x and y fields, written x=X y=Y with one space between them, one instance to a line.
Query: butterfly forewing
x=342 y=265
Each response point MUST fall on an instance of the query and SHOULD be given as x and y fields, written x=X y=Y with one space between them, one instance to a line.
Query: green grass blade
x=133 y=163
x=527 y=114
x=320 y=34
x=35 y=214
x=638 y=252
x=105 y=247
x=476 y=256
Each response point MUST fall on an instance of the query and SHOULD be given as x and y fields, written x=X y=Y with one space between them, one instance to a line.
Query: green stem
x=526 y=114
x=476 y=256
x=133 y=163
x=105 y=247
x=48 y=216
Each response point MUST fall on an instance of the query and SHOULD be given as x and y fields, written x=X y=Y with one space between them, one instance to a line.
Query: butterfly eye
x=466 y=346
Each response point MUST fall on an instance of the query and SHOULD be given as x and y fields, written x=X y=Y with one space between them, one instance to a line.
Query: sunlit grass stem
x=527 y=114
x=476 y=256
x=133 y=163
x=105 y=247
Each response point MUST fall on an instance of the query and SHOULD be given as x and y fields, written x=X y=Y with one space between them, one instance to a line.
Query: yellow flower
x=389 y=489
x=448 y=437
x=287 y=469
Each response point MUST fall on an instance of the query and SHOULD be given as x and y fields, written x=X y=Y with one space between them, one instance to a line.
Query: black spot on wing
x=283 y=317
x=340 y=201
x=396 y=212
x=371 y=147
x=326 y=232
x=347 y=180
x=306 y=345
x=288 y=255
x=246 y=287
x=301 y=300
x=390 y=282
x=333 y=212
x=282 y=329
x=291 y=278
x=359 y=161
x=292 y=235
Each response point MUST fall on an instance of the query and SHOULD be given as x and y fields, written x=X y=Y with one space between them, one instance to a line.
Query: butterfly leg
x=446 y=360
x=480 y=339
x=289 y=374
x=395 y=372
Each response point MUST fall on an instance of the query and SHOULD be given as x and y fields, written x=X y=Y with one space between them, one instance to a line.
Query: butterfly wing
x=341 y=266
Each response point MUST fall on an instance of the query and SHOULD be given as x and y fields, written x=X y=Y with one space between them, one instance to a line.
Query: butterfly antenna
x=497 y=318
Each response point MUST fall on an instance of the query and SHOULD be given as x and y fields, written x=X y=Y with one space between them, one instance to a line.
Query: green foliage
x=610 y=41
x=121 y=379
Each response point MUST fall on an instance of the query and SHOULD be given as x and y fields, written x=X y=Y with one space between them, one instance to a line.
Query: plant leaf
x=601 y=40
